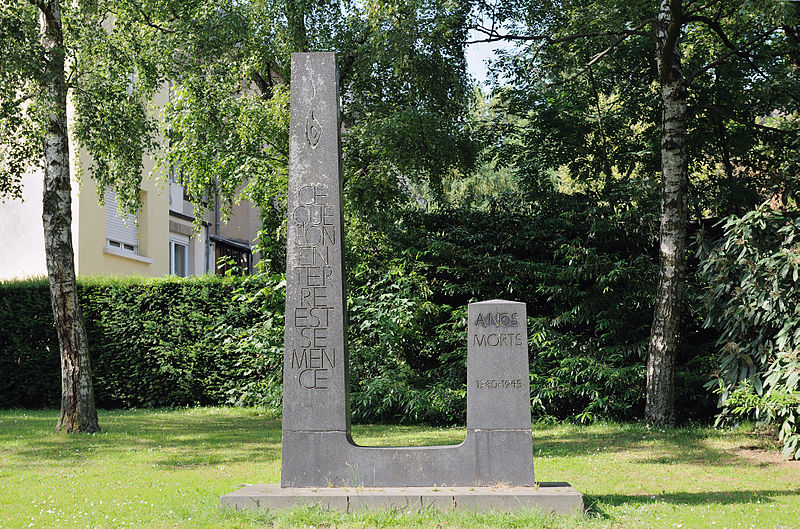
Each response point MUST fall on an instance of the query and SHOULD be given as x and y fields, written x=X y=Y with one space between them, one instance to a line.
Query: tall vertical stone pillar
x=315 y=384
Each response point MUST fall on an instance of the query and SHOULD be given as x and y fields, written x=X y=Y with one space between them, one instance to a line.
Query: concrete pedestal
x=557 y=498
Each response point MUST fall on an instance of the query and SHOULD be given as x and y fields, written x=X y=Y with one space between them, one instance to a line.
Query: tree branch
x=717 y=28
x=672 y=32
x=264 y=84
x=493 y=36
x=736 y=51
x=727 y=115
x=22 y=99
x=148 y=20
x=689 y=10
x=622 y=35
x=748 y=57
x=606 y=161
x=46 y=11
x=596 y=58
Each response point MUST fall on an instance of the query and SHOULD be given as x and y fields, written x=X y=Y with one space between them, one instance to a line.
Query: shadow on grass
x=176 y=439
x=673 y=446
x=184 y=438
x=189 y=458
x=14 y=424
x=595 y=502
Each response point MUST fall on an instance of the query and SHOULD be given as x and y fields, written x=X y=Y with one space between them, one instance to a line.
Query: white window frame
x=122 y=247
x=179 y=240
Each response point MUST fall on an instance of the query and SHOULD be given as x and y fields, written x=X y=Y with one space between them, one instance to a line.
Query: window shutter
x=119 y=228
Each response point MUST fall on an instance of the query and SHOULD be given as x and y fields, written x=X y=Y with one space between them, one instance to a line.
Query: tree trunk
x=660 y=408
x=78 y=413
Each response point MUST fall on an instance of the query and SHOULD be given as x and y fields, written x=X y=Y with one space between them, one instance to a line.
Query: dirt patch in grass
x=759 y=455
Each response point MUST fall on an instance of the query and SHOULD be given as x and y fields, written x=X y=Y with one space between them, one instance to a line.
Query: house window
x=178 y=255
x=122 y=232
x=236 y=253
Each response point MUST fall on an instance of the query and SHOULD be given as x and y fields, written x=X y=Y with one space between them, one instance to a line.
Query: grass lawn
x=168 y=469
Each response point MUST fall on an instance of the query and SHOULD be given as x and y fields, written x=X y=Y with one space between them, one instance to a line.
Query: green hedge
x=153 y=342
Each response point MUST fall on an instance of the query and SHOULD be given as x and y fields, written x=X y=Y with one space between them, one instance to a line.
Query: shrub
x=753 y=299
x=586 y=275
x=407 y=354
x=29 y=354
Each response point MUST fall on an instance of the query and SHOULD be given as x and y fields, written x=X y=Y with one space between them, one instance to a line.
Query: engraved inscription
x=315 y=235
x=501 y=320
x=313 y=130
x=497 y=319
x=498 y=384
x=497 y=340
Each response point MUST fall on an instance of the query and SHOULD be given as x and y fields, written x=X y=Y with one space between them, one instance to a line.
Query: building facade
x=161 y=239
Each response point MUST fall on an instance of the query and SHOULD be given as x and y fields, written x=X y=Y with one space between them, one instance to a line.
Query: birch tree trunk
x=660 y=408
x=78 y=413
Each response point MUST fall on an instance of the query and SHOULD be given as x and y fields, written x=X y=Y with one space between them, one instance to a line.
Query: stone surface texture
x=556 y=498
x=315 y=390
x=498 y=445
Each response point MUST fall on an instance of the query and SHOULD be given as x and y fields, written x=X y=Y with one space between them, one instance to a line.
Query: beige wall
x=243 y=225
x=22 y=236
x=22 y=239
x=94 y=258
x=93 y=255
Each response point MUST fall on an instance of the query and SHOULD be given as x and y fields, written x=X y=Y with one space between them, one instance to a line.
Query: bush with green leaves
x=153 y=342
x=407 y=354
x=587 y=274
x=753 y=299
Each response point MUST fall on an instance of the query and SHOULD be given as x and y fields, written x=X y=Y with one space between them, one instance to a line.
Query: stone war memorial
x=491 y=469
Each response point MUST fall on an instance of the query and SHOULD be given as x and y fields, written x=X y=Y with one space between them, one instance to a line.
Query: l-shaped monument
x=491 y=468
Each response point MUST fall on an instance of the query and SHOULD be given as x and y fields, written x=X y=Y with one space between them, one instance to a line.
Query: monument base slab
x=553 y=497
